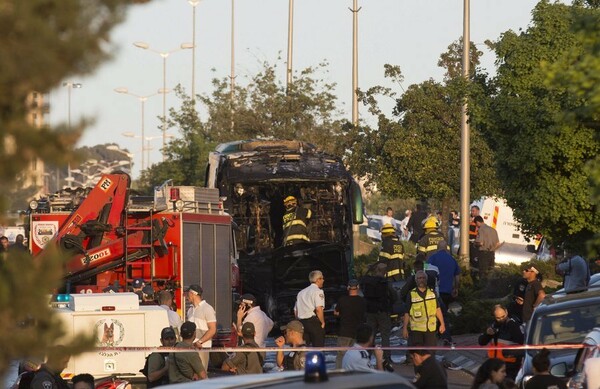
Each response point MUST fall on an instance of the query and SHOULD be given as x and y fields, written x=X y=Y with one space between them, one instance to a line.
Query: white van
x=498 y=215
x=119 y=321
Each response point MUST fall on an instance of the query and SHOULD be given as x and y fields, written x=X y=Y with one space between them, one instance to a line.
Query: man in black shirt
x=430 y=374
x=504 y=331
x=351 y=311
x=534 y=292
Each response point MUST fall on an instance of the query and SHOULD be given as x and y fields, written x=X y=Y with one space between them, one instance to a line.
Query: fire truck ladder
x=140 y=255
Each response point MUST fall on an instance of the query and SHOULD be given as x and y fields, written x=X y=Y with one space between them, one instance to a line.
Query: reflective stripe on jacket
x=422 y=311
x=294 y=225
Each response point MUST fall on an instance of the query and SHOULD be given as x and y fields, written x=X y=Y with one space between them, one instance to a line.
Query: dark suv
x=560 y=319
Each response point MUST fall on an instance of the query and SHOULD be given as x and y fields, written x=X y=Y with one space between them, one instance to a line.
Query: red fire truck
x=178 y=237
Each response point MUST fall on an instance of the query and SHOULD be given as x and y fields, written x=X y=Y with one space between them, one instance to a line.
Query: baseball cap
x=248 y=299
x=248 y=329
x=148 y=290
x=294 y=325
x=138 y=283
x=188 y=329
x=194 y=288
x=353 y=284
x=167 y=332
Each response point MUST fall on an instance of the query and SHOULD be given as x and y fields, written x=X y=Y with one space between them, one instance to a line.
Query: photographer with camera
x=504 y=331
x=574 y=269
x=249 y=312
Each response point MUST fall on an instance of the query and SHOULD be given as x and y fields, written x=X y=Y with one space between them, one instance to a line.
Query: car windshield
x=567 y=326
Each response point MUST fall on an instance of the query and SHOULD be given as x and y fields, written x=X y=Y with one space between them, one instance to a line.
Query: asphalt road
x=456 y=378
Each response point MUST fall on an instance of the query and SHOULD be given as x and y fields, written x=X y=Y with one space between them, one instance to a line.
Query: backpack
x=144 y=370
x=25 y=379
x=376 y=292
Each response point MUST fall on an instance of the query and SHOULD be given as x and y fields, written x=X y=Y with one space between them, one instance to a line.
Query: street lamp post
x=355 y=10
x=142 y=100
x=232 y=87
x=194 y=3
x=164 y=55
x=290 y=43
x=465 y=145
x=70 y=85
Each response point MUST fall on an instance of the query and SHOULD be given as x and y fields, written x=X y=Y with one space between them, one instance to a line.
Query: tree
x=43 y=42
x=262 y=108
x=543 y=121
x=417 y=154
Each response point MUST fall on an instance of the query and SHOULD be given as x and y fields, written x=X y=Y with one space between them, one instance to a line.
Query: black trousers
x=314 y=335
x=486 y=262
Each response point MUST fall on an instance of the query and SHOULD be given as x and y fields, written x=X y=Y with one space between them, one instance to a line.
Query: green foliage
x=417 y=153
x=261 y=108
x=29 y=325
x=543 y=121
x=187 y=155
x=376 y=204
x=478 y=299
x=362 y=262
x=43 y=42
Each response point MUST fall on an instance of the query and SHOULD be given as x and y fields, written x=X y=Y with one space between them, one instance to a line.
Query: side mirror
x=559 y=370
x=531 y=248
x=357 y=203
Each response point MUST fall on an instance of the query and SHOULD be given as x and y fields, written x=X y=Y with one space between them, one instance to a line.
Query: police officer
x=246 y=362
x=48 y=376
x=309 y=308
x=295 y=222
x=428 y=244
x=392 y=253
x=504 y=331
x=294 y=336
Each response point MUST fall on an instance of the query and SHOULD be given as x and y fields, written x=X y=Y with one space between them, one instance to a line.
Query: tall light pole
x=290 y=43
x=164 y=55
x=232 y=77
x=194 y=3
x=465 y=133
x=142 y=100
x=70 y=85
x=354 y=11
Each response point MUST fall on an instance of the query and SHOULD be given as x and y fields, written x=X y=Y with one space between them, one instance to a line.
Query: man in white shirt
x=165 y=301
x=204 y=316
x=249 y=312
x=309 y=309
x=359 y=359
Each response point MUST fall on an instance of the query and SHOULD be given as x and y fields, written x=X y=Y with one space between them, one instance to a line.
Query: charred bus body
x=254 y=177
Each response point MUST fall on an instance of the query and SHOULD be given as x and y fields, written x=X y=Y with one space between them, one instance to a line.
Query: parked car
x=578 y=379
x=594 y=283
x=560 y=319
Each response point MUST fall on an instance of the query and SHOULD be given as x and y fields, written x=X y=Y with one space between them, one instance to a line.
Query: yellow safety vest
x=422 y=311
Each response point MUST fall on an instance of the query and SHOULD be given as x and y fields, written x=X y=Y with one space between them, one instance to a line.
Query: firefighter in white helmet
x=295 y=222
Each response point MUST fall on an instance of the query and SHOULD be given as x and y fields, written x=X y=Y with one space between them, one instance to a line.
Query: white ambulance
x=118 y=320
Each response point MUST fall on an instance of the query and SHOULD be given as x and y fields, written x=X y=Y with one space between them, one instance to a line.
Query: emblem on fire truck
x=43 y=232
x=110 y=334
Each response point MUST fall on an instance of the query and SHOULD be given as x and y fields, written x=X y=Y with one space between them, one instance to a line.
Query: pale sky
x=408 y=33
